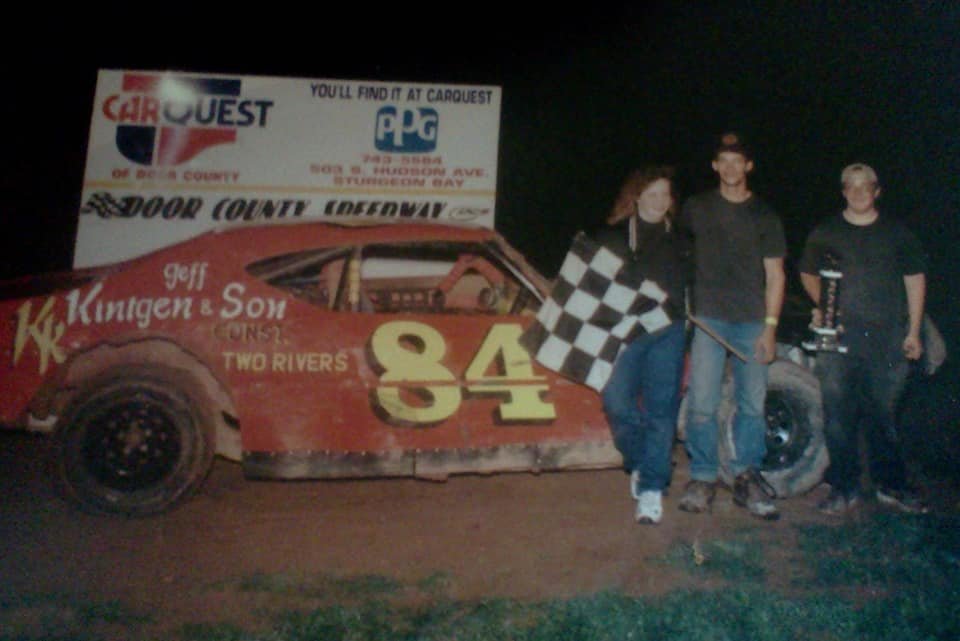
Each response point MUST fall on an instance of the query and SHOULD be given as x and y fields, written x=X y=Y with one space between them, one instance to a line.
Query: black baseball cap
x=733 y=142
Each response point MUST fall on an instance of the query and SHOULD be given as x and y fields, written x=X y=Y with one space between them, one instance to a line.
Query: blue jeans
x=649 y=367
x=707 y=361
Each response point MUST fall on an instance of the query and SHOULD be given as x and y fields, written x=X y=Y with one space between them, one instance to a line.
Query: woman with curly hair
x=640 y=230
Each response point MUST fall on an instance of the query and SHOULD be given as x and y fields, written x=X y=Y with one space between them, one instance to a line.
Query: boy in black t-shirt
x=880 y=305
x=737 y=294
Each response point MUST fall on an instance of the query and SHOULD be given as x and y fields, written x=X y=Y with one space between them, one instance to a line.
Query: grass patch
x=215 y=632
x=435 y=585
x=750 y=613
x=321 y=586
x=885 y=551
x=739 y=559
x=53 y=617
x=888 y=577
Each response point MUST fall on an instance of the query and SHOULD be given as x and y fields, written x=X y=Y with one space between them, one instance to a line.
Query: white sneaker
x=649 y=506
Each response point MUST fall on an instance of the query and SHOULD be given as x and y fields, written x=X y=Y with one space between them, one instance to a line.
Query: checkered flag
x=597 y=304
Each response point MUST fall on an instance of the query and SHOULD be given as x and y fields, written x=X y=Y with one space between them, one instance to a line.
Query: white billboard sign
x=174 y=154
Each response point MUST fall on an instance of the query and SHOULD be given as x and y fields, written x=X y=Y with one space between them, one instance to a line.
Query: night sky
x=585 y=99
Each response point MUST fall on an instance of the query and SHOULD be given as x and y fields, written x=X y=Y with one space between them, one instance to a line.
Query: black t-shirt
x=873 y=260
x=661 y=256
x=730 y=242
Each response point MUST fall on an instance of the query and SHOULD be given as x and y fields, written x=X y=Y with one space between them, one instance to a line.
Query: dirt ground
x=512 y=535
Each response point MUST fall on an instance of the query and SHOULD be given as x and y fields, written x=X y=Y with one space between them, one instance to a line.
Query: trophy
x=827 y=336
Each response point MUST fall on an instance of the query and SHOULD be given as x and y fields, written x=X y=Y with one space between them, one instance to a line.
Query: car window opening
x=433 y=278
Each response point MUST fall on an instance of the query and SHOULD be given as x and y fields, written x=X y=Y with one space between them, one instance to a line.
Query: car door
x=425 y=374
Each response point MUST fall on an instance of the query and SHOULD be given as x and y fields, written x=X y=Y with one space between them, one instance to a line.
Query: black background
x=588 y=93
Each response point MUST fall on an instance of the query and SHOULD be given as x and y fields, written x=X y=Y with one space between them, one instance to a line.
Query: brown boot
x=698 y=496
x=750 y=490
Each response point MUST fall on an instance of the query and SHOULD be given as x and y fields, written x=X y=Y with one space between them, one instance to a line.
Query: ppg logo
x=406 y=130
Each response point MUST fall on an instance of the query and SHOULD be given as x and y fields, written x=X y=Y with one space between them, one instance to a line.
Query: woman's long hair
x=638 y=180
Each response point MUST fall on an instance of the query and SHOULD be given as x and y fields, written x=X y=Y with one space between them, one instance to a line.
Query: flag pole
x=733 y=350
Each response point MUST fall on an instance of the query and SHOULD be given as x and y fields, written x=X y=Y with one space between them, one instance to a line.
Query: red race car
x=306 y=351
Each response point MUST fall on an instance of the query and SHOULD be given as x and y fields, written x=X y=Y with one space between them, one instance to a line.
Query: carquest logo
x=406 y=130
x=167 y=120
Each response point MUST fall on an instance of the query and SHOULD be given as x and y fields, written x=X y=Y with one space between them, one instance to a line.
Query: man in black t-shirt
x=738 y=288
x=880 y=308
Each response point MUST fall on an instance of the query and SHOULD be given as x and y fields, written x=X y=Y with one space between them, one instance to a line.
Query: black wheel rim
x=131 y=444
x=787 y=437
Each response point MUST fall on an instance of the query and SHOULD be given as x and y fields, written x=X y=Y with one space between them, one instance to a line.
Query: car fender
x=90 y=363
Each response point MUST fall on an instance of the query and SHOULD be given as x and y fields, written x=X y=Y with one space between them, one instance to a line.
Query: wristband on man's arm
x=771 y=321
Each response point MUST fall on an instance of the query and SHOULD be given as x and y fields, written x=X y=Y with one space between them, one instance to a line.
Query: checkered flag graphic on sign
x=596 y=305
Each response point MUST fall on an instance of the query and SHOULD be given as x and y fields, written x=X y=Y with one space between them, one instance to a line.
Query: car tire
x=796 y=450
x=133 y=442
